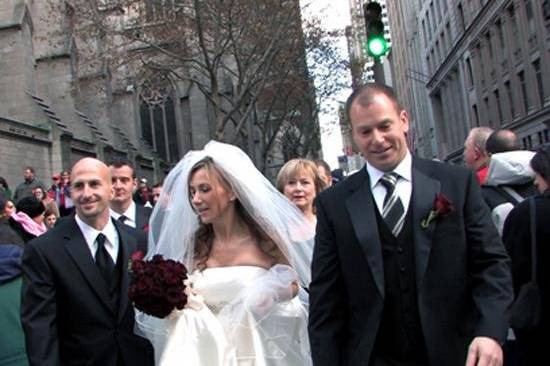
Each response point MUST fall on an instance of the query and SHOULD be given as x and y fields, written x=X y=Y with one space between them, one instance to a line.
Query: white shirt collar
x=90 y=233
x=130 y=212
x=403 y=169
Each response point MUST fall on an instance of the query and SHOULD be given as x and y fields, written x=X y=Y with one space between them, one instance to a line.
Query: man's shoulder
x=343 y=188
x=65 y=229
x=143 y=209
x=440 y=169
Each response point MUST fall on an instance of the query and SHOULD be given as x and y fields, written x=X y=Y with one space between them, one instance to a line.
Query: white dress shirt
x=90 y=235
x=403 y=186
x=130 y=214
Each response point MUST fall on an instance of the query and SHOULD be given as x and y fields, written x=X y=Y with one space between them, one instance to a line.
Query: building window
x=158 y=119
x=523 y=87
x=429 y=25
x=469 y=73
x=514 y=25
x=527 y=143
x=480 y=60
x=461 y=22
x=546 y=13
x=489 y=46
x=500 y=33
x=475 y=114
x=424 y=33
x=540 y=86
x=510 y=97
x=434 y=21
x=530 y=17
x=449 y=35
x=499 y=107
x=159 y=10
x=488 y=111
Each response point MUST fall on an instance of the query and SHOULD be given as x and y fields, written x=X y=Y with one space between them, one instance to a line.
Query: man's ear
x=477 y=153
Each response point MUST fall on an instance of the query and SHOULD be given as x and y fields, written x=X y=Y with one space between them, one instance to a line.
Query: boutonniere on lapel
x=441 y=208
x=145 y=228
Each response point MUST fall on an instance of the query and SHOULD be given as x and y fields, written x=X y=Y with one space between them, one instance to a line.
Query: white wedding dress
x=236 y=319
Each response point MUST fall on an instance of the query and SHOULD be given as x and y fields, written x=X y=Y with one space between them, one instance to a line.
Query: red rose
x=137 y=255
x=442 y=205
x=441 y=208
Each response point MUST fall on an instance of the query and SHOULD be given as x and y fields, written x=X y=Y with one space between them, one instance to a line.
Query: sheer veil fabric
x=172 y=227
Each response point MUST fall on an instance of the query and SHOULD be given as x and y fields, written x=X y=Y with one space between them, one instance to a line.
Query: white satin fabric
x=240 y=316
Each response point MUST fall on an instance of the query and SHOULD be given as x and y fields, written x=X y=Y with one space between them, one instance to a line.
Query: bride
x=248 y=251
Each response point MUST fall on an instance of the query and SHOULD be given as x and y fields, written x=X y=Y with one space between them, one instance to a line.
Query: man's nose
x=377 y=136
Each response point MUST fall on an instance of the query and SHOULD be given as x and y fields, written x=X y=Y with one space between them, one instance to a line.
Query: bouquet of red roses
x=157 y=285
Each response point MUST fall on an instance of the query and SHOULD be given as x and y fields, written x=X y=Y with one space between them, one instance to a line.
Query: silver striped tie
x=393 y=211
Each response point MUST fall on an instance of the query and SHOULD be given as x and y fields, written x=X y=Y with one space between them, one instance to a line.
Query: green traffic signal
x=377 y=46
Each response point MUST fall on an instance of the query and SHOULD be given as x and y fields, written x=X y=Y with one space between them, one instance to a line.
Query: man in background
x=29 y=183
x=475 y=155
x=123 y=207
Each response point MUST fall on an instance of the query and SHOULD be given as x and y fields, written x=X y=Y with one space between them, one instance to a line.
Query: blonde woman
x=299 y=180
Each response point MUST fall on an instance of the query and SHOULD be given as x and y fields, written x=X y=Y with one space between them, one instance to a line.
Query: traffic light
x=376 y=43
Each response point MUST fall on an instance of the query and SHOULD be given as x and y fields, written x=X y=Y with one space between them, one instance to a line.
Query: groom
x=398 y=278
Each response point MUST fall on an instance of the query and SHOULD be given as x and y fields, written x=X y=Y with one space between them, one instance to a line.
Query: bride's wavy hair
x=204 y=236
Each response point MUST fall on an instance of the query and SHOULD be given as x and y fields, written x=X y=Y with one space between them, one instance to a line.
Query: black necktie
x=122 y=219
x=103 y=260
x=393 y=211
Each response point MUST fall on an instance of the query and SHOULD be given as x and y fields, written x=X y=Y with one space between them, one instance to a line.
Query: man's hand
x=484 y=351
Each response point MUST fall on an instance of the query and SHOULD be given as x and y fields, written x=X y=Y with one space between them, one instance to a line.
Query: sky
x=334 y=14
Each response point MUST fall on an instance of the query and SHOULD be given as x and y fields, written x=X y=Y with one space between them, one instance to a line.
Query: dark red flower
x=442 y=206
x=137 y=255
x=157 y=286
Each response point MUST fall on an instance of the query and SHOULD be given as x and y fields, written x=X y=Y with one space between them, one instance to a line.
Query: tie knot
x=100 y=240
x=122 y=218
x=389 y=180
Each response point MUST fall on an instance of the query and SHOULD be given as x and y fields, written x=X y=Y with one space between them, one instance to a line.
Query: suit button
x=402 y=269
x=399 y=249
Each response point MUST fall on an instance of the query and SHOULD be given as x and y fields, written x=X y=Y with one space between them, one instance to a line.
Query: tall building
x=481 y=63
x=63 y=97
x=409 y=78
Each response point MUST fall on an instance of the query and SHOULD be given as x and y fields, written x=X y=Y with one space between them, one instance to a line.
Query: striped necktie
x=393 y=211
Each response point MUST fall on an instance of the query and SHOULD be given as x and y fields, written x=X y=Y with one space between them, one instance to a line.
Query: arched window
x=158 y=119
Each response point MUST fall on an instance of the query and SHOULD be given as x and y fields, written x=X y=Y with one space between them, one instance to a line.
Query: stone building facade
x=464 y=63
x=56 y=106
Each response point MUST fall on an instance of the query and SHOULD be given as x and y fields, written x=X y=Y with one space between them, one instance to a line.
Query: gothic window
x=158 y=119
x=158 y=10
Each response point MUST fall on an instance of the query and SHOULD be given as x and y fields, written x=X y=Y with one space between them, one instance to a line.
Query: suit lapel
x=424 y=190
x=139 y=217
x=127 y=245
x=363 y=218
x=79 y=251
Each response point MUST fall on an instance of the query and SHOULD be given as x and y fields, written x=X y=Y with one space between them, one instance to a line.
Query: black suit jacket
x=142 y=217
x=462 y=270
x=66 y=311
